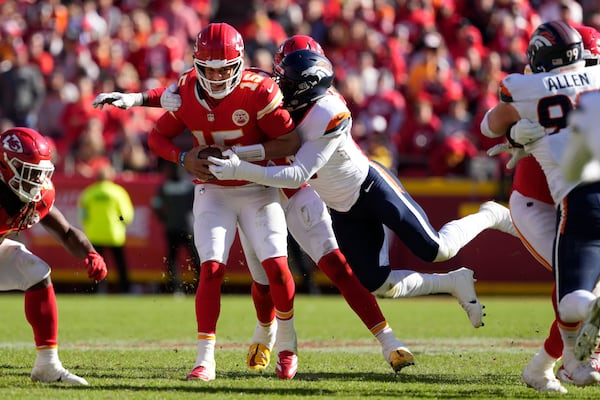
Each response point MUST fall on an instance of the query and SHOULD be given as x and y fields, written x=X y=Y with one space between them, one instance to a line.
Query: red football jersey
x=25 y=220
x=253 y=113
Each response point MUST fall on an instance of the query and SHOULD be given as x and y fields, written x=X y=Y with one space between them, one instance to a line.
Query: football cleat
x=56 y=373
x=501 y=214
x=203 y=373
x=287 y=365
x=400 y=358
x=582 y=375
x=259 y=356
x=541 y=380
x=464 y=291
x=588 y=339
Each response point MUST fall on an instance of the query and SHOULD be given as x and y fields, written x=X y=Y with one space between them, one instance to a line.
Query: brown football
x=209 y=152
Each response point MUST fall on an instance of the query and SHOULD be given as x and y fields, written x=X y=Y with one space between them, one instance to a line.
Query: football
x=209 y=152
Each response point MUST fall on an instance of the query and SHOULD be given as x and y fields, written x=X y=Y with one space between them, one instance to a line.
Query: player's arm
x=165 y=97
x=75 y=241
x=498 y=120
x=311 y=156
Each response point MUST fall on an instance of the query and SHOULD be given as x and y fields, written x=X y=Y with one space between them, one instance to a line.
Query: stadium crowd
x=418 y=75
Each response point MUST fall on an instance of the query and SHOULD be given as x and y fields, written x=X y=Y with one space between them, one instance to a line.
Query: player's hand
x=96 y=266
x=170 y=100
x=516 y=153
x=525 y=132
x=118 y=99
x=225 y=168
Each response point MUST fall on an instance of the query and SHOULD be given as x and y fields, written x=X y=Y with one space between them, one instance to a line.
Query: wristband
x=253 y=152
x=182 y=158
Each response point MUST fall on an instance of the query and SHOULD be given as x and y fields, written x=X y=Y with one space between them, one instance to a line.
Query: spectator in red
x=417 y=138
x=89 y=155
x=76 y=115
x=261 y=31
x=452 y=156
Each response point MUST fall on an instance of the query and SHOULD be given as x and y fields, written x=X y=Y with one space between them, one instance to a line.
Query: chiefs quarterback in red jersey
x=27 y=198
x=223 y=104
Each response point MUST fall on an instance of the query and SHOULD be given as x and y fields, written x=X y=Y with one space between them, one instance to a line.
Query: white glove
x=515 y=152
x=170 y=100
x=118 y=99
x=526 y=132
x=225 y=168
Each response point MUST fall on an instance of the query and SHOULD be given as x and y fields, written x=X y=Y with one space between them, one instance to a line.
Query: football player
x=27 y=198
x=555 y=54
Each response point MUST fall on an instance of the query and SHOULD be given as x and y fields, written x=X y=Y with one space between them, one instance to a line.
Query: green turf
x=141 y=347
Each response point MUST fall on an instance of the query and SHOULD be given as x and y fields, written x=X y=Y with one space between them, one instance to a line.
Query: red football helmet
x=591 y=44
x=25 y=162
x=297 y=42
x=219 y=45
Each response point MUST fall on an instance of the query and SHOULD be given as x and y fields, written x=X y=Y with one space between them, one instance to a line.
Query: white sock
x=206 y=352
x=542 y=360
x=265 y=334
x=286 y=336
x=387 y=338
x=456 y=234
x=47 y=357
x=406 y=283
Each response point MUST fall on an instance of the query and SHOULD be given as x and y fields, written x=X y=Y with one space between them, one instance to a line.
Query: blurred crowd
x=418 y=75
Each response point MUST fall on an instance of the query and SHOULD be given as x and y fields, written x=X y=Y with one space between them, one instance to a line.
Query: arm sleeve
x=153 y=97
x=311 y=156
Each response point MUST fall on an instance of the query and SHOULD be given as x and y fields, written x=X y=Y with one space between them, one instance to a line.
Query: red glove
x=96 y=266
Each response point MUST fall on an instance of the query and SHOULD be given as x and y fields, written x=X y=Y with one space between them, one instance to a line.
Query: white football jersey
x=340 y=167
x=547 y=98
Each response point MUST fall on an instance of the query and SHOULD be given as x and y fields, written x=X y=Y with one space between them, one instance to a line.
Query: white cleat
x=56 y=373
x=502 y=217
x=588 y=339
x=464 y=291
x=583 y=375
x=541 y=380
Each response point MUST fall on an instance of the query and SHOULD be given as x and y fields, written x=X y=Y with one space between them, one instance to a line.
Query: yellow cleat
x=400 y=358
x=259 y=356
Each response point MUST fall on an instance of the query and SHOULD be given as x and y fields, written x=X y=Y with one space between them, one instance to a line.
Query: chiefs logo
x=12 y=143
x=240 y=117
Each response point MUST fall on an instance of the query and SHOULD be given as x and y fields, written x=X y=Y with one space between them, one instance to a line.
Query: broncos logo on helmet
x=304 y=76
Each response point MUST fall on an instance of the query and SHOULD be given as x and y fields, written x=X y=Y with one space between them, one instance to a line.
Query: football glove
x=118 y=99
x=525 y=132
x=96 y=266
x=170 y=100
x=225 y=168
x=516 y=153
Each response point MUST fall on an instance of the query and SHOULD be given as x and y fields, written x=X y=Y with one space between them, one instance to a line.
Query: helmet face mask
x=25 y=163
x=591 y=44
x=220 y=47
x=304 y=77
x=553 y=45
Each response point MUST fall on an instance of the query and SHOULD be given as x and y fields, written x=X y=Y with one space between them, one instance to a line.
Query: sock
x=386 y=337
x=553 y=345
x=286 y=335
x=206 y=350
x=456 y=234
x=41 y=312
x=263 y=303
x=361 y=301
x=208 y=296
x=282 y=284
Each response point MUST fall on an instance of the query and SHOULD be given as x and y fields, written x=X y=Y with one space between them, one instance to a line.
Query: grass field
x=141 y=347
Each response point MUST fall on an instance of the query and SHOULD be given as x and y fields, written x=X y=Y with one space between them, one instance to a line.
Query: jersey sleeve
x=273 y=119
x=154 y=96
